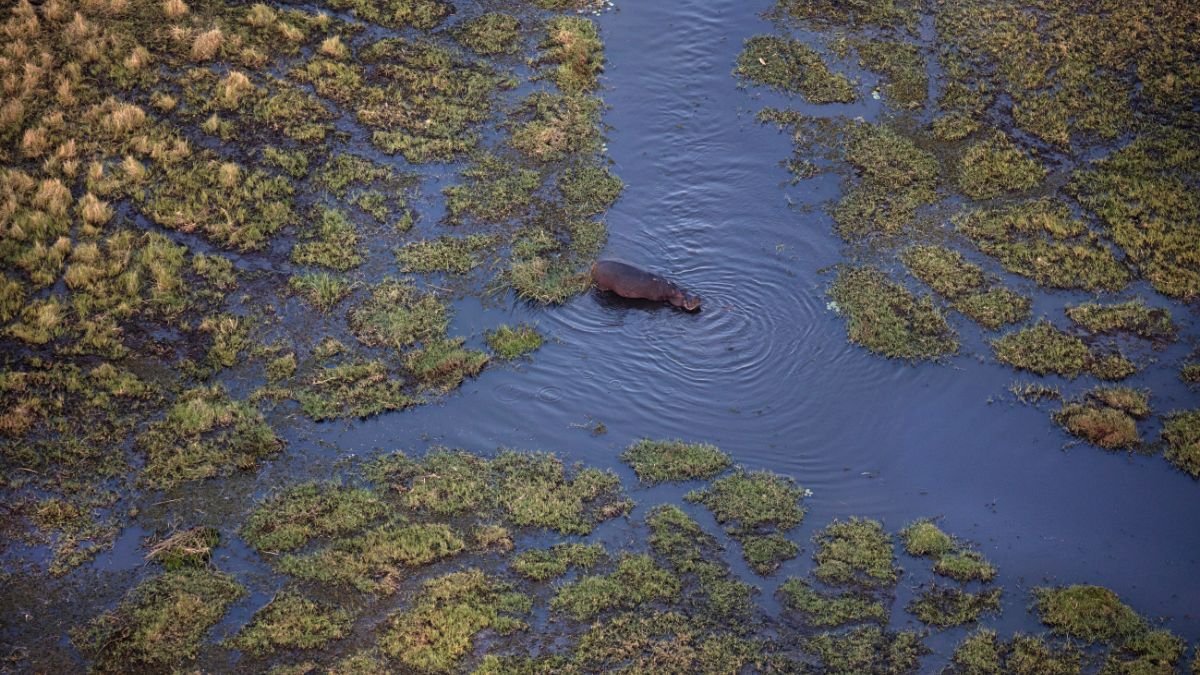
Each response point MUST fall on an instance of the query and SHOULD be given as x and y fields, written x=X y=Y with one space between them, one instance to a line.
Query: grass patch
x=855 y=552
x=867 y=649
x=755 y=507
x=290 y=519
x=548 y=281
x=550 y=127
x=951 y=557
x=376 y=560
x=548 y=563
x=204 y=434
x=1131 y=317
x=636 y=581
x=996 y=166
x=441 y=365
x=1087 y=613
x=291 y=621
x=352 y=390
x=490 y=33
x=397 y=316
x=160 y=624
x=674 y=460
x=457 y=255
x=573 y=44
x=792 y=67
x=588 y=190
x=1181 y=431
x=995 y=307
x=439 y=629
x=903 y=63
x=824 y=610
x=943 y=269
x=1044 y=349
x=897 y=178
x=945 y=606
x=322 y=290
x=887 y=319
x=492 y=190
x=509 y=343
x=1107 y=417
x=332 y=242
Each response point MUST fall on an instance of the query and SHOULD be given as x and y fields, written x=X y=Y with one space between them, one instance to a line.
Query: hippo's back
x=628 y=281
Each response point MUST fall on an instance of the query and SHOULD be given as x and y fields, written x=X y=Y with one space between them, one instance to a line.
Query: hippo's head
x=685 y=301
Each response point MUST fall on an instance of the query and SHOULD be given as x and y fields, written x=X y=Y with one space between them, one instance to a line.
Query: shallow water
x=765 y=372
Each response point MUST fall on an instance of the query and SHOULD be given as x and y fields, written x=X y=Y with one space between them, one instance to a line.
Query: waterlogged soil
x=359 y=412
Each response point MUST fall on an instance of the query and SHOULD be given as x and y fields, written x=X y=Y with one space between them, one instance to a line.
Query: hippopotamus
x=628 y=281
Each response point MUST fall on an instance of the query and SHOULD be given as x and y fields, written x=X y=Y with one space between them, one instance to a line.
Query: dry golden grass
x=333 y=47
x=93 y=210
x=174 y=9
x=231 y=89
x=206 y=45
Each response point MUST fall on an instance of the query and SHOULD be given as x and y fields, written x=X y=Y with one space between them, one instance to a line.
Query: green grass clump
x=573 y=43
x=636 y=581
x=1088 y=613
x=344 y=171
x=185 y=549
x=377 y=559
x=1157 y=651
x=441 y=365
x=825 y=610
x=350 y=390
x=419 y=14
x=995 y=166
x=903 y=63
x=548 y=563
x=294 y=163
x=548 y=281
x=1132 y=317
x=995 y=307
x=331 y=242
x=550 y=127
x=867 y=649
x=755 y=507
x=856 y=14
x=509 y=343
x=290 y=519
x=291 y=621
x=1141 y=194
x=1190 y=373
x=281 y=368
x=887 y=319
x=160 y=624
x=1107 y=417
x=322 y=290
x=752 y=500
x=945 y=606
x=525 y=489
x=943 y=269
x=923 y=538
x=952 y=558
x=1043 y=349
x=793 y=67
x=235 y=208
x=397 y=315
x=493 y=189
x=440 y=628
x=490 y=33
x=588 y=189
x=204 y=434
x=457 y=255
x=645 y=642
x=897 y=178
x=983 y=653
x=855 y=552
x=1181 y=431
x=1061 y=265
x=691 y=552
x=674 y=460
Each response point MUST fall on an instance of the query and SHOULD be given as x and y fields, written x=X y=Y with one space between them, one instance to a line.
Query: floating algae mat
x=299 y=370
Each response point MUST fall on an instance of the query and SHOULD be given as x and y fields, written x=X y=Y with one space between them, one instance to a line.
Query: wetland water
x=764 y=372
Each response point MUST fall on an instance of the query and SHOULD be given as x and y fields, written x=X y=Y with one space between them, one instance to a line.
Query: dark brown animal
x=628 y=281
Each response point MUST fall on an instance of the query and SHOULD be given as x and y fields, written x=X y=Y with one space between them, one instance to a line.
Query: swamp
x=302 y=370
